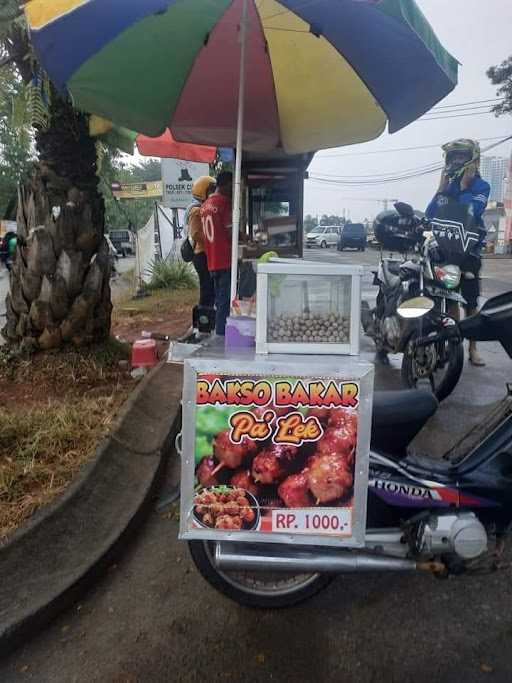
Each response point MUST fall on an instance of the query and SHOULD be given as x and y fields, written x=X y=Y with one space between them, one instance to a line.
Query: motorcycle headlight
x=448 y=275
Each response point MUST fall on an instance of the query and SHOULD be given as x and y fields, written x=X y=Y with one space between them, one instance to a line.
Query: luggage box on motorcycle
x=275 y=449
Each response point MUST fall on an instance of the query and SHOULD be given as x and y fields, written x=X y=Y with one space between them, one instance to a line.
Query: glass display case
x=303 y=307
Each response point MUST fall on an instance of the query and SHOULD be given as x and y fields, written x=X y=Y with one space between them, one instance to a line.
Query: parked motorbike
x=440 y=249
x=445 y=517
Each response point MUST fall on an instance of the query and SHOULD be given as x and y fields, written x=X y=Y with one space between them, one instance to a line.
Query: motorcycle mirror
x=415 y=308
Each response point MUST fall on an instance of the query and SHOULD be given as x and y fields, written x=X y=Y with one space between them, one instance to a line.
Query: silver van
x=323 y=236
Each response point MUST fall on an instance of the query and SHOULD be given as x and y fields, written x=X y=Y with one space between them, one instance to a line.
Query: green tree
x=60 y=282
x=15 y=143
x=133 y=213
x=331 y=220
x=309 y=223
x=502 y=75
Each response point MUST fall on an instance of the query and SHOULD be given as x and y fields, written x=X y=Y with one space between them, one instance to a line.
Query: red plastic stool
x=144 y=353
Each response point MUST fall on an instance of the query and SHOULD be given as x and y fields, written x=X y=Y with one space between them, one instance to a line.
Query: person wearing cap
x=202 y=188
x=461 y=181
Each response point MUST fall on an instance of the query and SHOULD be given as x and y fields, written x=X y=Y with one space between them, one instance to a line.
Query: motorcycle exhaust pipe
x=250 y=557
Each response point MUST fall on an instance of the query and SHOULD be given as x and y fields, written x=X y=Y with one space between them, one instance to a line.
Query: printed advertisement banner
x=274 y=455
x=178 y=177
x=137 y=190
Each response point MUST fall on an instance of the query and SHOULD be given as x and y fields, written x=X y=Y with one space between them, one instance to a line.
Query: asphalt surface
x=4 y=288
x=154 y=619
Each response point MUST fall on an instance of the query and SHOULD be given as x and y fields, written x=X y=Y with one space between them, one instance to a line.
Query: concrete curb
x=48 y=563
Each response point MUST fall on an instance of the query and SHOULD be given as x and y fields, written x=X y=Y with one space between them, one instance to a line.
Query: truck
x=124 y=241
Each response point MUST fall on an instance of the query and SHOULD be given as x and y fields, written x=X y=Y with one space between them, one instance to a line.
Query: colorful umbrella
x=293 y=75
x=319 y=73
x=166 y=146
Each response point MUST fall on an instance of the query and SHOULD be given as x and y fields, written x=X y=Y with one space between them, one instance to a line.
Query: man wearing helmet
x=202 y=188
x=460 y=180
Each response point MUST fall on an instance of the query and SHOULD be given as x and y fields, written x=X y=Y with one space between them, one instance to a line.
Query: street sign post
x=177 y=178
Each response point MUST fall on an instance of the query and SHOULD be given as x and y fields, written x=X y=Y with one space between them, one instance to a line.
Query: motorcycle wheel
x=441 y=388
x=256 y=589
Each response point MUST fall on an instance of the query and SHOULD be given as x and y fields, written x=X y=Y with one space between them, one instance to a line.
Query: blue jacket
x=476 y=195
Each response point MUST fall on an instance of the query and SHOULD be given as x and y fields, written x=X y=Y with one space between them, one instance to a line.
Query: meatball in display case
x=304 y=307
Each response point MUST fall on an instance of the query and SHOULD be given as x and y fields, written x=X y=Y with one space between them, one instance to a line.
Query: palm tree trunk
x=60 y=282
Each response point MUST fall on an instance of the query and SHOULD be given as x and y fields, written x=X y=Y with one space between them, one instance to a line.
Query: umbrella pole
x=238 y=165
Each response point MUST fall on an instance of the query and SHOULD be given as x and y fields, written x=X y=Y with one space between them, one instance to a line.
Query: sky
x=479 y=34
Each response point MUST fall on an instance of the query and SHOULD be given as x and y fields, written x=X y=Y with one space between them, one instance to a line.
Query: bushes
x=172 y=275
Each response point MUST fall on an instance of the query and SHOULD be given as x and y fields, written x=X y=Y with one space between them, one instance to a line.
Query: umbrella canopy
x=166 y=146
x=318 y=73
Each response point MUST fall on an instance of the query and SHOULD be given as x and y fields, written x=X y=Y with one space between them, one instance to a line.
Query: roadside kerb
x=48 y=563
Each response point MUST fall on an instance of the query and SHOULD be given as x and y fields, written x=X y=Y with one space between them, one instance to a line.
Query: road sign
x=177 y=178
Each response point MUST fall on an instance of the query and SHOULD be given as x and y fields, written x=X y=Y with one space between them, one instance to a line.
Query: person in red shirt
x=216 y=220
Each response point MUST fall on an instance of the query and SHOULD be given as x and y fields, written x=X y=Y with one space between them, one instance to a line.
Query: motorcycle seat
x=397 y=417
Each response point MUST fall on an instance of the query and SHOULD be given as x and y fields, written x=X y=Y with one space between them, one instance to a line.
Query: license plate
x=329 y=521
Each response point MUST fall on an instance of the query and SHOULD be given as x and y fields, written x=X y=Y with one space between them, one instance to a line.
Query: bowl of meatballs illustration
x=226 y=507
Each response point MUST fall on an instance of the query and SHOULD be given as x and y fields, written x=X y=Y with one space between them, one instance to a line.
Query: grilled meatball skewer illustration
x=328 y=478
x=270 y=465
x=231 y=454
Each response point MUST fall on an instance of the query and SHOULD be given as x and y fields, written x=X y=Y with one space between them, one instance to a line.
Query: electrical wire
x=455 y=116
x=462 y=110
x=494 y=100
x=396 y=149
x=407 y=174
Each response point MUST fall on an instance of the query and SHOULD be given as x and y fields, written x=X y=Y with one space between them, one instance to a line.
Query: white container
x=306 y=308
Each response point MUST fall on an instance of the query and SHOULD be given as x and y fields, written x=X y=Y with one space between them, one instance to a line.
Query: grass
x=161 y=303
x=42 y=449
x=56 y=406
x=55 y=409
x=172 y=275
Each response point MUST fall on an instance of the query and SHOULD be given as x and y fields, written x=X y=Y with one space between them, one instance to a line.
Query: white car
x=323 y=236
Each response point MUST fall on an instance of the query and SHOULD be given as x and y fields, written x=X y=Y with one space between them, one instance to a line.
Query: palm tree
x=59 y=285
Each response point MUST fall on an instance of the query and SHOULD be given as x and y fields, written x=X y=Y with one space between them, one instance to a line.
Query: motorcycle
x=445 y=517
x=441 y=248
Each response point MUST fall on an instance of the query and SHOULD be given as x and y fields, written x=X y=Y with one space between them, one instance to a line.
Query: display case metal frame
x=287 y=267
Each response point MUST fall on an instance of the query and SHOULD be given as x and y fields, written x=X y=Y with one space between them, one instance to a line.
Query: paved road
x=123 y=265
x=152 y=619
x=4 y=288
x=496 y=272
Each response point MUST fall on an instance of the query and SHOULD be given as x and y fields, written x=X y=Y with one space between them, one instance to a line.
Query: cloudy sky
x=479 y=34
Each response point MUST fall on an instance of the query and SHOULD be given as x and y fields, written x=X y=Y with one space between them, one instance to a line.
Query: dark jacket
x=476 y=195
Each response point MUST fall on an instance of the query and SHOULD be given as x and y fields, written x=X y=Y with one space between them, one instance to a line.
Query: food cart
x=276 y=437
x=305 y=82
